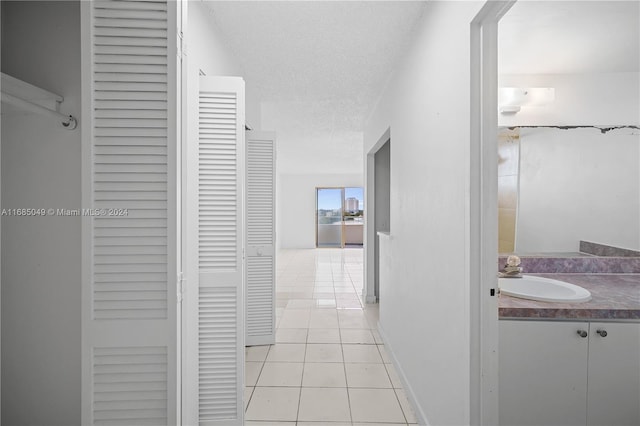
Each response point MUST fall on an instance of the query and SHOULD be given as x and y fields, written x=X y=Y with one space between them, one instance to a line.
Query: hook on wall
x=71 y=123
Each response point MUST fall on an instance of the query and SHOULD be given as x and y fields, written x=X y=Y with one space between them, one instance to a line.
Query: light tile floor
x=328 y=366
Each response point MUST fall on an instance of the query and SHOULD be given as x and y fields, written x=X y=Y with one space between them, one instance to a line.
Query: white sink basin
x=543 y=289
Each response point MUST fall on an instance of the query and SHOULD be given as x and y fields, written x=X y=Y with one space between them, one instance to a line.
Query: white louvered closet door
x=260 y=238
x=129 y=347
x=214 y=247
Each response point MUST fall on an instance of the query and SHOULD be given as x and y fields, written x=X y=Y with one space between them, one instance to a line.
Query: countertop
x=613 y=297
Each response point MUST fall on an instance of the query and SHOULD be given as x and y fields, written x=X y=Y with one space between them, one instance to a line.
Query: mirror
x=569 y=168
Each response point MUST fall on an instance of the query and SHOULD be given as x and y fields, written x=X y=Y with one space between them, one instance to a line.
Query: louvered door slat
x=260 y=237
x=218 y=341
x=132 y=5
x=129 y=339
x=215 y=339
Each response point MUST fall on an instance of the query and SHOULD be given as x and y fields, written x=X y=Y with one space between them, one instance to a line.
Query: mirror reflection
x=569 y=165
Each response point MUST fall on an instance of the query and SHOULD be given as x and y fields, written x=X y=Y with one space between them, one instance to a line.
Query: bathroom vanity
x=572 y=363
x=569 y=373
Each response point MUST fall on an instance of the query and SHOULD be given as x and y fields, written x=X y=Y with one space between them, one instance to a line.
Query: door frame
x=370 y=233
x=482 y=211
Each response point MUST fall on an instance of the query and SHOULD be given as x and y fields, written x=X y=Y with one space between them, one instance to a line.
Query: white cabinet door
x=129 y=234
x=614 y=375
x=543 y=378
x=214 y=297
x=260 y=238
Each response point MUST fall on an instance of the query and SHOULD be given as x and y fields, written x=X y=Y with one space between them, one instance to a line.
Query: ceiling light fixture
x=511 y=99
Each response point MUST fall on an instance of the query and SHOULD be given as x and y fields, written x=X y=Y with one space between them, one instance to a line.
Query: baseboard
x=408 y=390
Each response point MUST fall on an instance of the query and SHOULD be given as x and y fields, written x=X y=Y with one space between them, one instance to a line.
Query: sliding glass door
x=353 y=217
x=339 y=217
x=329 y=208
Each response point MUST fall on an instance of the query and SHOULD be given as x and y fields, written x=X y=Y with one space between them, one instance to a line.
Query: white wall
x=424 y=307
x=41 y=255
x=296 y=204
x=578 y=184
x=205 y=46
x=207 y=51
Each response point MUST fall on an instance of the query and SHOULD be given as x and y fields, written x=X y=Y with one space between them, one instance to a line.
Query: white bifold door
x=129 y=337
x=213 y=373
x=260 y=238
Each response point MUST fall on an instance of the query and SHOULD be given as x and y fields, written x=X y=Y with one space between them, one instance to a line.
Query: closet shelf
x=18 y=94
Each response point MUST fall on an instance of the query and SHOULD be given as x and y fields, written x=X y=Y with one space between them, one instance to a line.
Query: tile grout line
x=344 y=368
x=344 y=365
x=304 y=359
x=257 y=378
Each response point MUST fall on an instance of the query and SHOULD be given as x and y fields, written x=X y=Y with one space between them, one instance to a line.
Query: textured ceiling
x=556 y=37
x=318 y=67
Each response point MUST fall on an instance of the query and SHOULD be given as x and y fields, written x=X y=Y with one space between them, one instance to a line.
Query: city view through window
x=340 y=217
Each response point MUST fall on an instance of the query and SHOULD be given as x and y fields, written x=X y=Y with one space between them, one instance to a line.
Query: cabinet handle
x=602 y=333
x=582 y=333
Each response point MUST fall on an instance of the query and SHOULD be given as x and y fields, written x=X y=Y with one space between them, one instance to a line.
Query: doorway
x=382 y=203
x=379 y=217
x=483 y=212
x=339 y=217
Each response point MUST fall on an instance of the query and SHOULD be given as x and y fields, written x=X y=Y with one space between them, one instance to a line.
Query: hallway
x=328 y=365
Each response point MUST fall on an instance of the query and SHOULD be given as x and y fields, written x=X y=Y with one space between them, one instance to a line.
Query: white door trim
x=370 y=235
x=483 y=214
